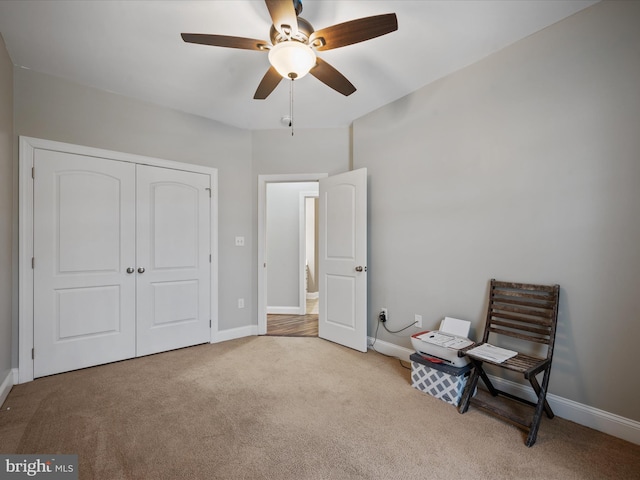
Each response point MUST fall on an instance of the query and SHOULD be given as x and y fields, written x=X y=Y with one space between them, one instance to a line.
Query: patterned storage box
x=438 y=379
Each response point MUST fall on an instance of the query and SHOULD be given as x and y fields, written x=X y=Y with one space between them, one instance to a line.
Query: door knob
x=130 y=270
x=141 y=270
x=360 y=268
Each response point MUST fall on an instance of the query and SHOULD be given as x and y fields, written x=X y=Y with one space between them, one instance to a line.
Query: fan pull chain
x=291 y=106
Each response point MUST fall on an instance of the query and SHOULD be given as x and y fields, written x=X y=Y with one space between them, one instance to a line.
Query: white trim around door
x=263 y=180
x=302 y=248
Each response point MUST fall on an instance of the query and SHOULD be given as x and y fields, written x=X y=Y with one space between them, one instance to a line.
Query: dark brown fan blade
x=354 y=31
x=269 y=82
x=283 y=15
x=332 y=77
x=225 y=41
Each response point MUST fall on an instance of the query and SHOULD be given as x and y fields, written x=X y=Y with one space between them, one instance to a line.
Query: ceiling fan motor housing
x=304 y=32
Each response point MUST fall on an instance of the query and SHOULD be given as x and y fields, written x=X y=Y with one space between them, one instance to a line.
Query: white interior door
x=173 y=259
x=342 y=266
x=84 y=241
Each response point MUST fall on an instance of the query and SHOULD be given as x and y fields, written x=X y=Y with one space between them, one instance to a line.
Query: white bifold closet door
x=172 y=253
x=121 y=260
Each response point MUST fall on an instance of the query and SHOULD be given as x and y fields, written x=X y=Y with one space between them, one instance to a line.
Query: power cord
x=403 y=366
x=382 y=320
x=398 y=331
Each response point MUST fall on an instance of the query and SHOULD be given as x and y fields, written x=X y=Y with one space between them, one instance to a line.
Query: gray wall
x=325 y=150
x=523 y=167
x=6 y=210
x=56 y=109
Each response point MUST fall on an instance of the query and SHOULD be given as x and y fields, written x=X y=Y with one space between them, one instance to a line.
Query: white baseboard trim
x=233 y=333
x=7 y=383
x=391 y=349
x=284 y=310
x=591 y=417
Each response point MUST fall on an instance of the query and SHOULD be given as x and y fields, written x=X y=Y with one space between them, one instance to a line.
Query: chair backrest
x=524 y=311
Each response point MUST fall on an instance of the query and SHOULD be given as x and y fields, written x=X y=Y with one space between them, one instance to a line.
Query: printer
x=442 y=346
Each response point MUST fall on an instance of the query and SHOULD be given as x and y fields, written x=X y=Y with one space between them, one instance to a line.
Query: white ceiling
x=134 y=48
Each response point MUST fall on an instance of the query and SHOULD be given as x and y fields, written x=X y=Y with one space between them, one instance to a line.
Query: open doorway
x=342 y=253
x=288 y=295
x=291 y=246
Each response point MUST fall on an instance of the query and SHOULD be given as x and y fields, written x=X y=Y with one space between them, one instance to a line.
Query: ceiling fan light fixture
x=292 y=59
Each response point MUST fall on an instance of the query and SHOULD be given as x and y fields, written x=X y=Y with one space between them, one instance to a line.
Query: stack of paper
x=455 y=326
x=492 y=353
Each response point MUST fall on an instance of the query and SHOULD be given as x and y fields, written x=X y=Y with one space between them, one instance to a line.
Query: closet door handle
x=130 y=270
x=141 y=270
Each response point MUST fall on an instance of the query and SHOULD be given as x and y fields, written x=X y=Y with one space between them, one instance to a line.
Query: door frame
x=302 y=242
x=28 y=146
x=263 y=180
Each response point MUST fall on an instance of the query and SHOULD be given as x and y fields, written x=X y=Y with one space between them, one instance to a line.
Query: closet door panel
x=84 y=241
x=173 y=267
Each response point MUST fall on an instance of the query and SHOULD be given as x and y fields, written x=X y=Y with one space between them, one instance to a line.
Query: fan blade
x=332 y=77
x=283 y=14
x=354 y=31
x=269 y=82
x=225 y=41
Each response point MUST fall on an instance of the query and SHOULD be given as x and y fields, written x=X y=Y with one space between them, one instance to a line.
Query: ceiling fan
x=294 y=42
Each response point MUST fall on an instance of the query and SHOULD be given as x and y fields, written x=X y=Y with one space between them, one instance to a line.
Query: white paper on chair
x=492 y=353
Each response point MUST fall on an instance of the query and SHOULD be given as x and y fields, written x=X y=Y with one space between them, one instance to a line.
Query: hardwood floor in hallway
x=295 y=325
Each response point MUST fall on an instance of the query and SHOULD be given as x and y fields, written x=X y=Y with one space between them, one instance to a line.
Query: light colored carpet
x=285 y=408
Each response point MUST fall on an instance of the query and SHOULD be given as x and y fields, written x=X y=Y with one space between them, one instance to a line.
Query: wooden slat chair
x=528 y=313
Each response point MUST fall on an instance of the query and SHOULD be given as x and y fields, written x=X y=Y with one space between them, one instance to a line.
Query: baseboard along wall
x=233 y=333
x=7 y=383
x=284 y=311
x=591 y=417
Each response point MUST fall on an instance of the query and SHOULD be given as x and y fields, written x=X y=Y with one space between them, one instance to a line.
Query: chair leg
x=537 y=389
x=541 y=405
x=472 y=383
x=485 y=379
x=535 y=424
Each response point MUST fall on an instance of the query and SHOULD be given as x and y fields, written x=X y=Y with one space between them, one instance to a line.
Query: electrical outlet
x=418 y=319
x=386 y=313
x=241 y=303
